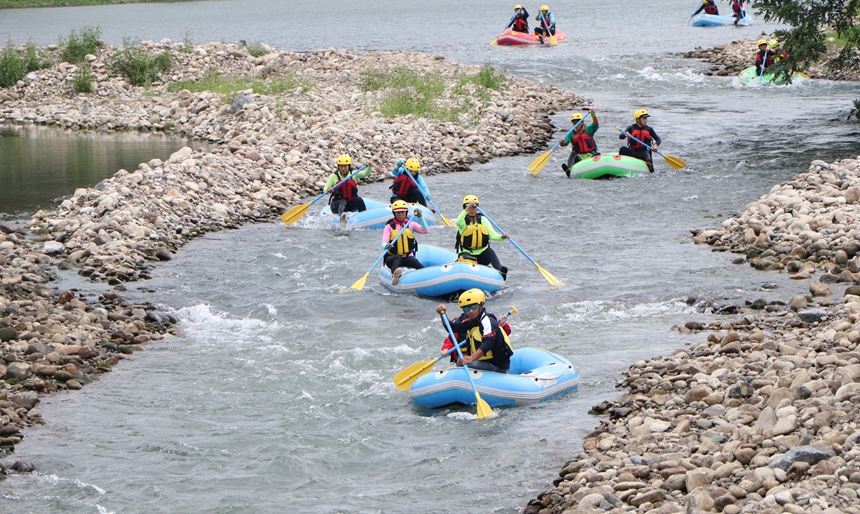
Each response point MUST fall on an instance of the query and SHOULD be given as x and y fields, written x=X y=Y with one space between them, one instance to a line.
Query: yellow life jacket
x=475 y=338
x=406 y=244
x=475 y=236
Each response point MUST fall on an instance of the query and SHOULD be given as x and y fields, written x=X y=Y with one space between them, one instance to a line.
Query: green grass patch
x=138 y=64
x=429 y=84
x=15 y=64
x=83 y=80
x=81 y=42
x=256 y=50
x=837 y=42
x=227 y=86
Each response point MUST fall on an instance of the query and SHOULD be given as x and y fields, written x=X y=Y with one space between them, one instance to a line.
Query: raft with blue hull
x=441 y=276
x=715 y=20
x=375 y=217
x=608 y=165
x=535 y=376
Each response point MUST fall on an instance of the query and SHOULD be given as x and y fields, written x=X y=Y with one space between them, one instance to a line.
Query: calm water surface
x=278 y=395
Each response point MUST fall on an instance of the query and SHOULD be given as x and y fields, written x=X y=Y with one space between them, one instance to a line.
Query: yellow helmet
x=399 y=205
x=576 y=116
x=544 y=8
x=470 y=198
x=471 y=297
x=344 y=159
x=704 y=2
x=638 y=114
x=517 y=7
x=412 y=164
x=761 y=42
x=773 y=43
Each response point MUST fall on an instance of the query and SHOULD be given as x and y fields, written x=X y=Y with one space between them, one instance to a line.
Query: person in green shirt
x=581 y=140
x=345 y=196
x=474 y=233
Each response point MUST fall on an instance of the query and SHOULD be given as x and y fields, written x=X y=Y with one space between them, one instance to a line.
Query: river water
x=278 y=395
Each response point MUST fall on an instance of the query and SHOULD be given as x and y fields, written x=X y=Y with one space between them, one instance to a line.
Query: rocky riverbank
x=277 y=150
x=763 y=415
x=731 y=59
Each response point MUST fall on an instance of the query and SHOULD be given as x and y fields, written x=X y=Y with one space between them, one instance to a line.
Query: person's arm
x=699 y=9
x=398 y=168
x=594 y=125
x=551 y=20
x=656 y=139
x=419 y=226
x=423 y=186
x=362 y=174
x=495 y=236
x=461 y=221
x=386 y=235
x=332 y=180
x=624 y=134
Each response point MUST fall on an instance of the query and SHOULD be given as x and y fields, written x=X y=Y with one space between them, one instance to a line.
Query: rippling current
x=278 y=394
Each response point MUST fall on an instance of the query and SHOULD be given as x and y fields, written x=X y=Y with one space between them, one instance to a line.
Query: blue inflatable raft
x=375 y=217
x=535 y=376
x=713 y=20
x=441 y=276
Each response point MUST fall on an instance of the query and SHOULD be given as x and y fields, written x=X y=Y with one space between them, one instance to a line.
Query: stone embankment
x=276 y=151
x=763 y=416
x=731 y=59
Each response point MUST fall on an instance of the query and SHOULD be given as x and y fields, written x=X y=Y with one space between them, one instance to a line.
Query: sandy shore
x=762 y=416
x=276 y=152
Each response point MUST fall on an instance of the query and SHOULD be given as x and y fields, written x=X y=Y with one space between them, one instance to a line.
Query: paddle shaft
x=544 y=22
x=359 y=284
x=340 y=183
x=483 y=407
x=424 y=194
x=516 y=13
x=646 y=145
x=569 y=132
x=498 y=228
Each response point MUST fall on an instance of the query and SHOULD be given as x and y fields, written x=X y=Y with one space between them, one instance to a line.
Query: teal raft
x=608 y=165
x=375 y=217
x=749 y=76
x=441 y=276
x=535 y=376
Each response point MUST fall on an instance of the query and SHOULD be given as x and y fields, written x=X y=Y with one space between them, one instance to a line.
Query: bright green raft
x=608 y=165
x=749 y=76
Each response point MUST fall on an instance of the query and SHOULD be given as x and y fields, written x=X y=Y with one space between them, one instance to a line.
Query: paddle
x=359 y=284
x=541 y=161
x=546 y=274
x=517 y=13
x=672 y=161
x=293 y=215
x=801 y=75
x=543 y=21
x=484 y=409
x=445 y=221
x=406 y=377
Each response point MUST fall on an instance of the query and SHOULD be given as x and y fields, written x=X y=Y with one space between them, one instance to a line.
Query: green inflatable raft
x=749 y=76
x=608 y=165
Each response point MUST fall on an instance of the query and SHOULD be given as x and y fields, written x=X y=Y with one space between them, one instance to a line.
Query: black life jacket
x=474 y=237
x=583 y=143
x=521 y=24
x=402 y=185
x=346 y=191
x=406 y=243
x=475 y=337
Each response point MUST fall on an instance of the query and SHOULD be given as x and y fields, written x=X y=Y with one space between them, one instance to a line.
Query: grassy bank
x=19 y=4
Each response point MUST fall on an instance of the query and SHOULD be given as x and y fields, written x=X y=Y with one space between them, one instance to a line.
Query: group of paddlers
x=771 y=58
x=545 y=19
x=710 y=7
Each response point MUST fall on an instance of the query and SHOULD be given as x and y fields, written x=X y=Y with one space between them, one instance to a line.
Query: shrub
x=75 y=48
x=228 y=86
x=489 y=78
x=35 y=59
x=83 y=80
x=12 y=66
x=139 y=66
x=257 y=49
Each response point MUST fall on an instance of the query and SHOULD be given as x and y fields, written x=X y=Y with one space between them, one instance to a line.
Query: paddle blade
x=293 y=215
x=446 y=222
x=801 y=75
x=552 y=40
x=359 y=284
x=484 y=409
x=404 y=379
x=513 y=310
x=549 y=277
x=494 y=42
x=539 y=163
x=674 y=162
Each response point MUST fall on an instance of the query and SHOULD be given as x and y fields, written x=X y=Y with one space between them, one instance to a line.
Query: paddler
x=545 y=21
x=404 y=188
x=344 y=198
x=641 y=131
x=520 y=21
x=474 y=234
x=488 y=347
x=709 y=6
x=581 y=140
x=401 y=248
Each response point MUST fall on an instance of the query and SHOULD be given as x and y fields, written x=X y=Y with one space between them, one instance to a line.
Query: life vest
x=475 y=338
x=520 y=24
x=474 y=237
x=402 y=185
x=712 y=9
x=346 y=191
x=642 y=134
x=406 y=243
x=583 y=143
x=736 y=6
x=767 y=57
x=546 y=20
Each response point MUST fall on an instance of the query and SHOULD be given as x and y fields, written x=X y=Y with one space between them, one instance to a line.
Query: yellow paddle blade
x=359 y=284
x=674 y=162
x=494 y=42
x=801 y=74
x=513 y=310
x=552 y=40
x=293 y=215
x=404 y=379
x=446 y=222
x=548 y=276
x=484 y=409
x=539 y=162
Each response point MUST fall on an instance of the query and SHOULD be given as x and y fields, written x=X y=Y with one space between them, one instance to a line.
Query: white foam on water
x=103 y=510
x=209 y=326
x=604 y=310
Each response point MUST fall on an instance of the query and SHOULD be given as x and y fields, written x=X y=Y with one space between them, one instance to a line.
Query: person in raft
x=488 y=347
x=461 y=338
x=763 y=57
x=641 y=131
x=344 y=198
x=474 y=234
x=404 y=188
x=402 y=251
x=709 y=6
x=780 y=60
x=545 y=21
x=738 y=10
x=581 y=140
x=520 y=23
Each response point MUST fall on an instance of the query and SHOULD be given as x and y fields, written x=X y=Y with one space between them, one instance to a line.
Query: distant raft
x=749 y=76
x=535 y=376
x=441 y=276
x=608 y=165
x=714 y=20
x=375 y=217
x=509 y=37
